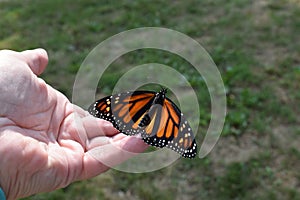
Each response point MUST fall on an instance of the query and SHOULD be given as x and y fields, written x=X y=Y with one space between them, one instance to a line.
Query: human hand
x=46 y=142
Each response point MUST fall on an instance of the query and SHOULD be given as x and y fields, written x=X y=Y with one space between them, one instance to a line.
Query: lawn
x=256 y=47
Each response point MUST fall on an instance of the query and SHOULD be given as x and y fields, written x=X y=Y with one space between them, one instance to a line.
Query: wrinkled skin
x=46 y=142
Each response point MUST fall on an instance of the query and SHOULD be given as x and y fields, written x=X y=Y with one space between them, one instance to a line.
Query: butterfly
x=151 y=114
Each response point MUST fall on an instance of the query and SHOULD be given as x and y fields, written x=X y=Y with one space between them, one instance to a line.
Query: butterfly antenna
x=163 y=89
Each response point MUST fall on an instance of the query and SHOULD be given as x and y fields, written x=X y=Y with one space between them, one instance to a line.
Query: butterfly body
x=151 y=114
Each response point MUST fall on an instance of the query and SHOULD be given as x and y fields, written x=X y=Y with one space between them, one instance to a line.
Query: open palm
x=46 y=142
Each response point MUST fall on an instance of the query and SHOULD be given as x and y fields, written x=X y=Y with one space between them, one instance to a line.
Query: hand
x=46 y=142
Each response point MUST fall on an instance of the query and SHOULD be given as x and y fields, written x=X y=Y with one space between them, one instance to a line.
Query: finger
x=101 y=158
x=104 y=140
x=36 y=59
x=94 y=126
x=130 y=144
x=98 y=127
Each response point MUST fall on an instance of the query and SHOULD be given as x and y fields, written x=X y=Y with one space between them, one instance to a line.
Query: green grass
x=255 y=45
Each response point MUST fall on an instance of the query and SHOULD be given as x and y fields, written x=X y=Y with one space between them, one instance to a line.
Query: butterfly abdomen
x=145 y=121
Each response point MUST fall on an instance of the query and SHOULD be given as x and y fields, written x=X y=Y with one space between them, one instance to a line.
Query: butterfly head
x=160 y=96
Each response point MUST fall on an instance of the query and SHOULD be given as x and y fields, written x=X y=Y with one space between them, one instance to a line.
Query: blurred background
x=256 y=46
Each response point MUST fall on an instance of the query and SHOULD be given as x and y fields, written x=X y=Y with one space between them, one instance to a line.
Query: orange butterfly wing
x=169 y=128
x=124 y=110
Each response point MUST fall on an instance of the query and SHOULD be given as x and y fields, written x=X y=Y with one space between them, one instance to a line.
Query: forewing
x=124 y=110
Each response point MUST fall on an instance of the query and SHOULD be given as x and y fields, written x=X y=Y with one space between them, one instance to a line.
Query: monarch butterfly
x=153 y=115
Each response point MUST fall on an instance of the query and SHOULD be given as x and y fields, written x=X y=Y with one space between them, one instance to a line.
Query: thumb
x=37 y=60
